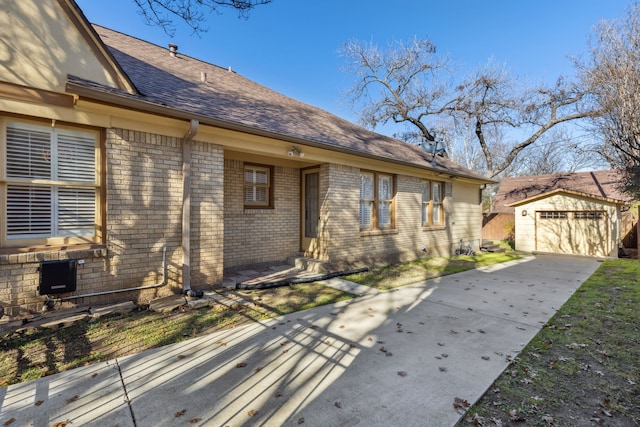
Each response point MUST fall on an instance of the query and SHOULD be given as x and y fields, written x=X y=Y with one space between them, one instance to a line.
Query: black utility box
x=57 y=277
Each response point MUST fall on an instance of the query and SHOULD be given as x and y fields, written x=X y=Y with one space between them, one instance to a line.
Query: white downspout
x=186 y=204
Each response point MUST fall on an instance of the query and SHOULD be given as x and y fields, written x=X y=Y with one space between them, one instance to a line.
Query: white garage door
x=581 y=232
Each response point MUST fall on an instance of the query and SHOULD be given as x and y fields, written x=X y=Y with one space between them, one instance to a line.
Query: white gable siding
x=42 y=55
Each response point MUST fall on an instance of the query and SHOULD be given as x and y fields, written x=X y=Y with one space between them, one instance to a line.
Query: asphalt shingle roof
x=226 y=96
x=603 y=183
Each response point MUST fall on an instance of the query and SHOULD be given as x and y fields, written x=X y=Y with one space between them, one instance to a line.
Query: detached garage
x=570 y=213
x=569 y=222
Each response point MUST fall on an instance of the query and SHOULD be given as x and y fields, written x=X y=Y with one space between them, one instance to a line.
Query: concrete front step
x=308 y=264
x=489 y=246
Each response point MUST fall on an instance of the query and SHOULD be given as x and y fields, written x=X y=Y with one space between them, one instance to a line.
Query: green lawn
x=395 y=275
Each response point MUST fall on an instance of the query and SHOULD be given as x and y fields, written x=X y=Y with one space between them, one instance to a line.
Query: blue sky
x=292 y=46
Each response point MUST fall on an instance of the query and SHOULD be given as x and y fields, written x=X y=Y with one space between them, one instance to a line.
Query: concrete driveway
x=393 y=358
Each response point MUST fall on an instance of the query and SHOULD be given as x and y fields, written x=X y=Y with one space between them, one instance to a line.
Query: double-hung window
x=257 y=186
x=49 y=185
x=377 y=192
x=432 y=210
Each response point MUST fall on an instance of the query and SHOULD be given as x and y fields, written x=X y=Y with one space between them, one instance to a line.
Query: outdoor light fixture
x=524 y=212
x=295 y=150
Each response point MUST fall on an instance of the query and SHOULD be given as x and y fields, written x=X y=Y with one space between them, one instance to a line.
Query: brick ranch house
x=137 y=171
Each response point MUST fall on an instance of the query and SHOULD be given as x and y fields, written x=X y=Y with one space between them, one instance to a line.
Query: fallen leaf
x=252 y=412
x=39 y=402
x=460 y=404
x=338 y=405
x=514 y=415
x=95 y=374
x=476 y=420
x=301 y=420
x=486 y=358
x=180 y=356
x=277 y=395
x=195 y=420
x=341 y=326
x=258 y=369
x=241 y=365
x=576 y=345
x=180 y=413
x=9 y=421
x=60 y=424
x=443 y=368
x=402 y=373
x=72 y=399
x=605 y=411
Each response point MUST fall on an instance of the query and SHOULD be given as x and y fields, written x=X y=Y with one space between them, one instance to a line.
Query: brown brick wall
x=259 y=236
x=343 y=243
x=144 y=213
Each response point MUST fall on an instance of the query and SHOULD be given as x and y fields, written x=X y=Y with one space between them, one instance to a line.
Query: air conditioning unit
x=57 y=277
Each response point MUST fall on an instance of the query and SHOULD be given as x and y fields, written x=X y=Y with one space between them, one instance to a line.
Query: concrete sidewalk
x=397 y=357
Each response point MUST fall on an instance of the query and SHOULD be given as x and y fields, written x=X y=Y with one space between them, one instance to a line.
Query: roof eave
x=570 y=192
x=150 y=107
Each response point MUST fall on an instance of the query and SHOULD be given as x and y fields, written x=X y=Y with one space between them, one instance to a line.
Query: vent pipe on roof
x=203 y=77
x=173 y=48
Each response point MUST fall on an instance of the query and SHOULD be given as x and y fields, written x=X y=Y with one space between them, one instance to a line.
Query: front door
x=310 y=211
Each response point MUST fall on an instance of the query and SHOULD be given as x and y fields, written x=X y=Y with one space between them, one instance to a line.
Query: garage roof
x=567 y=192
x=603 y=185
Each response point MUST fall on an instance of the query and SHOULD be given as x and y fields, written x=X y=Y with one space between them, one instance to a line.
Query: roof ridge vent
x=173 y=49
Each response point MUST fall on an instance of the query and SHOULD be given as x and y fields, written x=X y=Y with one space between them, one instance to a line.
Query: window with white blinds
x=432 y=210
x=377 y=194
x=367 y=199
x=257 y=186
x=50 y=182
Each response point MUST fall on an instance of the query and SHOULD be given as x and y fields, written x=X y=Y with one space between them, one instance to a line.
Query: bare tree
x=193 y=12
x=558 y=151
x=612 y=74
x=412 y=84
